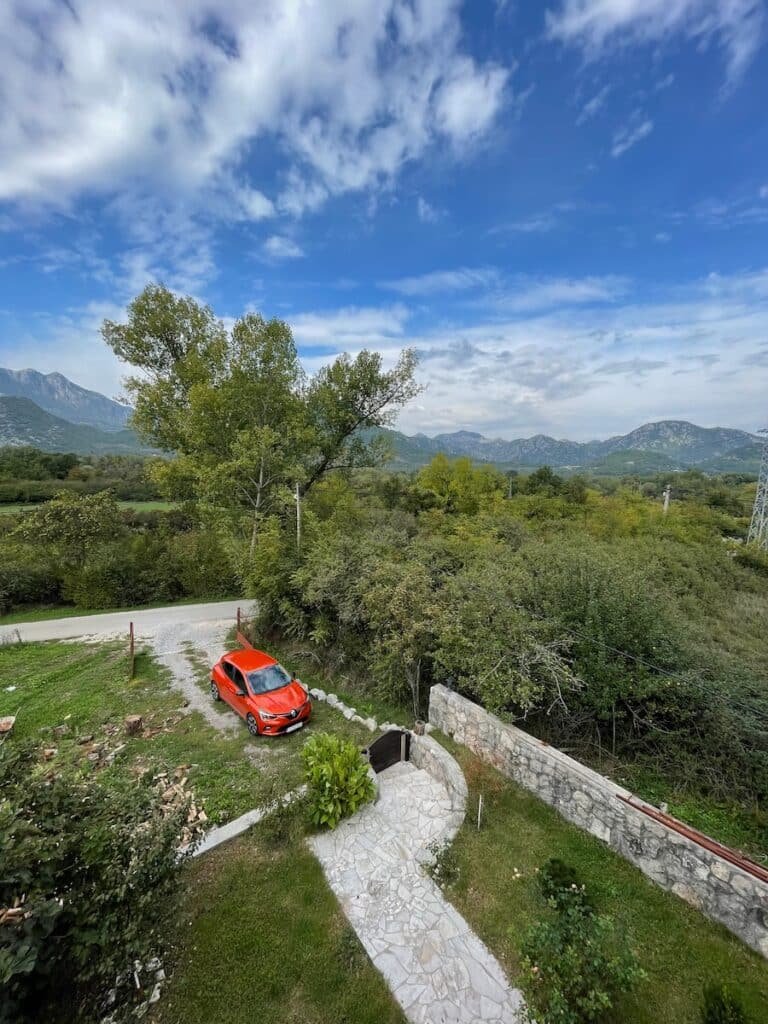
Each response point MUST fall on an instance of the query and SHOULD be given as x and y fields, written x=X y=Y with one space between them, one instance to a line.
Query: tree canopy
x=235 y=405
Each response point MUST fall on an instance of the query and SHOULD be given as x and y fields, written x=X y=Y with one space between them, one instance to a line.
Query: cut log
x=133 y=724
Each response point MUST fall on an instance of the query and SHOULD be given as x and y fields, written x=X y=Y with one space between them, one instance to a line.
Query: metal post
x=479 y=811
x=758 y=527
x=132 y=651
x=298 y=518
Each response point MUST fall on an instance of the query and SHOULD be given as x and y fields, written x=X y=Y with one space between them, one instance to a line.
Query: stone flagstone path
x=439 y=970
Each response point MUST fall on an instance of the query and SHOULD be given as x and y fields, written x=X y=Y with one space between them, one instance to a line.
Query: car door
x=229 y=684
x=239 y=692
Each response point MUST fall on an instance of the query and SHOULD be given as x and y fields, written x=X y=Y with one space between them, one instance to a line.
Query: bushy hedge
x=88 y=875
x=337 y=779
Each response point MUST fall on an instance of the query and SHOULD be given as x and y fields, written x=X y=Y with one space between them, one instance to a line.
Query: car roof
x=250 y=660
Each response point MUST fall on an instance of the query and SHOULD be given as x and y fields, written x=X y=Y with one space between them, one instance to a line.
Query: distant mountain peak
x=59 y=396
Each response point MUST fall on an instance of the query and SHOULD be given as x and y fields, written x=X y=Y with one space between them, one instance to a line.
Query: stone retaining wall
x=720 y=890
x=428 y=754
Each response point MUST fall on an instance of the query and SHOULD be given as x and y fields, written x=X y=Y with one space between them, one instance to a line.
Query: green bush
x=574 y=960
x=337 y=779
x=93 y=871
x=559 y=882
x=721 y=1006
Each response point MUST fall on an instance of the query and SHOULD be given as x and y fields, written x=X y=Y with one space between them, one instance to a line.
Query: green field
x=680 y=950
x=86 y=688
x=138 y=506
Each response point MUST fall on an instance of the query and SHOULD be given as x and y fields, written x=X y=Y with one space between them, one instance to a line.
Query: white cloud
x=662 y=236
x=568 y=368
x=438 y=281
x=279 y=249
x=102 y=96
x=469 y=100
x=593 y=106
x=763 y=193
x=597 y=25
x=530 y=294
x=427 y=213
x=630 y=134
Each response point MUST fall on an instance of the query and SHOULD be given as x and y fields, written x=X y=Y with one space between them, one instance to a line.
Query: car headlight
x=265 y=716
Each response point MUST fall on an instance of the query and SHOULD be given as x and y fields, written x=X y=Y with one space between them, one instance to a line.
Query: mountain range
x=51 y=412
x=57 y=395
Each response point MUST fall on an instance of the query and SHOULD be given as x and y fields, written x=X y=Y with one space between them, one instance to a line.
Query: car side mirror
x=240 y=693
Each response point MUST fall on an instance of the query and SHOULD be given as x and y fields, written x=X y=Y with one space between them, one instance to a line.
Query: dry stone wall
x=720 y=890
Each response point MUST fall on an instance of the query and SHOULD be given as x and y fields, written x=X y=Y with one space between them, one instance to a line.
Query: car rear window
x=266 y=679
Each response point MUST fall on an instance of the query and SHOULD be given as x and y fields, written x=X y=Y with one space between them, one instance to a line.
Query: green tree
x=71 y=526
x=236 y=408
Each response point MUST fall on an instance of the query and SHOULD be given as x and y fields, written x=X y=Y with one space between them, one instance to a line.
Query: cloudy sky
x=562 y=204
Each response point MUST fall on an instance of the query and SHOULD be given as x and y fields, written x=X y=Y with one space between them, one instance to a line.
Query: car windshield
x=267 y=679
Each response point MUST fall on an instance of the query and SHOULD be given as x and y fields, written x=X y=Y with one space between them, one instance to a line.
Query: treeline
x=87 y=551
x=605 y=626
x=29 y=475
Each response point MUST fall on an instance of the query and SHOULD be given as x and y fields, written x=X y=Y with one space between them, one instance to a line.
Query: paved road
x=146 y=621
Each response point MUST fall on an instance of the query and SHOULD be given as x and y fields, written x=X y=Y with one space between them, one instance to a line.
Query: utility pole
x=298 y=518
x=667 y=496
x=758 y=528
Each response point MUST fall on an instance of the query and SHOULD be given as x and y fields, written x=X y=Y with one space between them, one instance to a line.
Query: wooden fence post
x=132 y=651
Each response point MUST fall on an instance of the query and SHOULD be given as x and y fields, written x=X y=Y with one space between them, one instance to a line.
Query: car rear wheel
x=215 y=691
x=253 y=725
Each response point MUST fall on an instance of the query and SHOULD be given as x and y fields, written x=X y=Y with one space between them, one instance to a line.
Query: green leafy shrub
x=337 y=779
x=444 y=866
x=574 y=961
x=560 y=883
x=721 y=1006
x=90 y=872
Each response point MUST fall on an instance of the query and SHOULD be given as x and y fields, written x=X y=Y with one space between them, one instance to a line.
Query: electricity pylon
x=758 y=528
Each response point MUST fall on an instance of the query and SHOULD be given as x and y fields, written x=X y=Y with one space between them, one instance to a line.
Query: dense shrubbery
x=607 y=626
x=87 y=551
x=337 y=779
x=87 y=874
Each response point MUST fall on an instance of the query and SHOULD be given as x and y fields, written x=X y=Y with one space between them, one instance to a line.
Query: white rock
x=371 y=724
x=357 y=718
x=332 y=699
x=428 y=728
x=349 y=713
x=317 y=693
x=155 y=994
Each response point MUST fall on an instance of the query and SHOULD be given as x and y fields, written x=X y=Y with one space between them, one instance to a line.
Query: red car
x=260 y=690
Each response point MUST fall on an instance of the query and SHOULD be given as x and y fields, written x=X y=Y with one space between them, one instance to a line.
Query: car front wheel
x=215 y=691
x=253 y=725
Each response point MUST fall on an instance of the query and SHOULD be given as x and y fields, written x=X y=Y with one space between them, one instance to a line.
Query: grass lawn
x=262 y=938
x=680 y=949
x=86 y=688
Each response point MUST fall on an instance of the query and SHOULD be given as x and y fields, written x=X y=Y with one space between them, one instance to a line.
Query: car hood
x=279 y=701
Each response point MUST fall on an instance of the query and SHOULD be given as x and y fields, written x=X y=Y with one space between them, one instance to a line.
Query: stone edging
x=428 y=754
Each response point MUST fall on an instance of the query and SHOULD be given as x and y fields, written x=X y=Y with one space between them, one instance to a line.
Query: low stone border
x=216 y=836
x=428 y=754
x=721 y=890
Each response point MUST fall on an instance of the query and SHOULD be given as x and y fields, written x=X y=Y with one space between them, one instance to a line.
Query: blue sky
x=563 y=205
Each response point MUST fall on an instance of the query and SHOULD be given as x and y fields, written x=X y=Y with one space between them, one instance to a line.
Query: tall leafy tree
x=237 y=409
